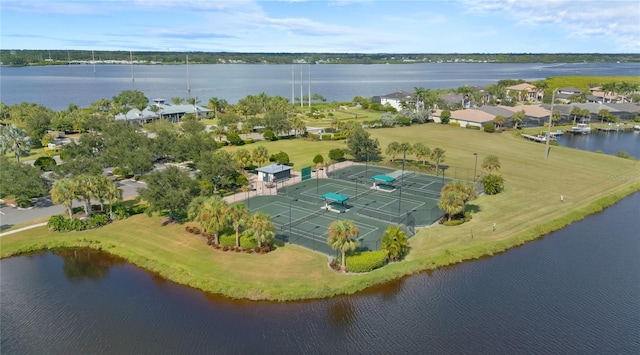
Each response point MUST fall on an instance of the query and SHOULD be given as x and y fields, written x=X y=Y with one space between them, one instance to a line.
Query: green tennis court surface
x=300 y=212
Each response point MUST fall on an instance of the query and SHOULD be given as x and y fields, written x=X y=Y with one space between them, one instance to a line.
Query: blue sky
x=353 y=26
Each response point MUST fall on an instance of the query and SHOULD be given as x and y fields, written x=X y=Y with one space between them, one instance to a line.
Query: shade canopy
x=384 y=178
x=335 y=197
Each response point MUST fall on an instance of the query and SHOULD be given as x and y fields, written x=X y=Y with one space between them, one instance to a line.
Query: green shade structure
x=335 y=197
x=383 y=178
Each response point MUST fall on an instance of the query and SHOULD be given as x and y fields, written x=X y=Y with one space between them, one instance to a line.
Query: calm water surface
x=577 y=291
x=58 y=86
x=608 y=143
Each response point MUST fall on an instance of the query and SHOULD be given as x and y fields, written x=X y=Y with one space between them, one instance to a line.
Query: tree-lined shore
x=14 y=57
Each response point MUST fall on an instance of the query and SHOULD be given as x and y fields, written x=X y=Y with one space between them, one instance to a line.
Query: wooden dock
x=538 y=138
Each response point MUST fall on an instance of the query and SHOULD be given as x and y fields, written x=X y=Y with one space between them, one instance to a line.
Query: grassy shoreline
x=524 y=213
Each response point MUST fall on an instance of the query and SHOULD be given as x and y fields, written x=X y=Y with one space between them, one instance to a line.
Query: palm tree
x=437 y=154
x=464 y=191
x=243 y=157
x=211 y=213
x=490 y=163
x=177 y=100
x=239 y=215
x=85 y=188
x=517 y=118
x=499 y=121
x=298 y=125
x=575 y=112
x=261 y=228
x=342 y=234
x=393 y=149
x=63 y=192
x=14 y=139
x=395 y=243
x=421 y=151
x=113 y=195
x=405 y=148
x=451 y=202
x=260 y=155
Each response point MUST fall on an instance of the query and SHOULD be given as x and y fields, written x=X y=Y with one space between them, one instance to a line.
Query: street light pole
x=404 y=157
x=475 y=167
x=290 y=202
x=553 y=98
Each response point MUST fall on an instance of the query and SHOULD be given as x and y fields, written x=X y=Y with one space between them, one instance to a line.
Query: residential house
x=397 y=99
x=567 y=94
x=534 y=115
x=173 y=113
x=524 y=92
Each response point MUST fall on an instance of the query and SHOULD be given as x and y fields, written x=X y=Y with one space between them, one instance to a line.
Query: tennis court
x=302 y=215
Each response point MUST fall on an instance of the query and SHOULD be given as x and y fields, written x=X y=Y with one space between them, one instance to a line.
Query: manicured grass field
x=529 y=208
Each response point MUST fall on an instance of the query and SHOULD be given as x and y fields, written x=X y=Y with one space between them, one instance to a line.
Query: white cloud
x=616 y=21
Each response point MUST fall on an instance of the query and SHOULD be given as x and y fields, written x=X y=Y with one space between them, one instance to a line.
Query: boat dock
x=537 y=138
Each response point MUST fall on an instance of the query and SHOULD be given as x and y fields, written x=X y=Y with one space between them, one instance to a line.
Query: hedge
x=365 y=261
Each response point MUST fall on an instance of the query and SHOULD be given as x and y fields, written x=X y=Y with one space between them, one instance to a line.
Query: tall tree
x=260 y=155
x=438 y=155
x=342 y=237
x=499 y=121
x=395 y=243
x=451 y=202
x=421 y=151
x=211 y=213
x=261 y=228
x=239 y=216
x=63 y=192
x=517 y=118
x=13 y=139
x=361 y=146
x=393 y=149
x=169 y=190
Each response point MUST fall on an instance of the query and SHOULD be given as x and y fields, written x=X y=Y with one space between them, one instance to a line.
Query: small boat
x=581 y=128
x=636 y=127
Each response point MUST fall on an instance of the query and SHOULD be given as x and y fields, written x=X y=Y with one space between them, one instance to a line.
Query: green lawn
x=530 y=207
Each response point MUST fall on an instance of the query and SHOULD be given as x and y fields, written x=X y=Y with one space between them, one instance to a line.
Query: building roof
x=472 y=115
x=530 y=110
x=451 y=98
x=521 y=87
x=335 y=196
x=571 y=89
x=384 y=178
x=496 y=111
x=398 y=95
x=274 y=168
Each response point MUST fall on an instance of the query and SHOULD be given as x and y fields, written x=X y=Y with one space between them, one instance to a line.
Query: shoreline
x=390 y=272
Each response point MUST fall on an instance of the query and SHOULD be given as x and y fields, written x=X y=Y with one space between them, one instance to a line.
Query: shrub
x=23 y=202
x=221 y=144
x=470 y=126
x=234 y=139
x=247 y=242
x=453 y=222
x=121 y=211
x=77 y=210
x=493 y=184
x=138 y=209
x=455 y=124
x=325 y=137
x=365 y=261
x=97 y=220
x=58 y=223
x=227 y=240
x=248 y=141
x=489 y=128
x=45 y=163
x=269 y=135
x=280 y=157
x=623 y=154
x=315 y=137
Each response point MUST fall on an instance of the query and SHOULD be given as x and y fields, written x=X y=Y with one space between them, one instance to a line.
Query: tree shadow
x=473 y=208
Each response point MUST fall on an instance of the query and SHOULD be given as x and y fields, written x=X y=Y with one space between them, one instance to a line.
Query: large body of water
x=577 y=291
x=607 y=142
x=58 y=86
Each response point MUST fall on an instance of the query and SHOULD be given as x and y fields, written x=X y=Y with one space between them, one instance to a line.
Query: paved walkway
x=23 y=229
x=260 y=187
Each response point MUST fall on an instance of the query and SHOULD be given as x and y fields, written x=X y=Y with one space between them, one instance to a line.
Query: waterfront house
x=397 y=99
x=524 y=92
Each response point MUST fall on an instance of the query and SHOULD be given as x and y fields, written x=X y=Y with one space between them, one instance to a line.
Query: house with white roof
x=158 y=110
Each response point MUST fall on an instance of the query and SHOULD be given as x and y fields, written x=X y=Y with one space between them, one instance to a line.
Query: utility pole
x=553 y=98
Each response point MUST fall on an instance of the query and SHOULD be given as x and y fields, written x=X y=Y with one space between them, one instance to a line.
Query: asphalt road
x=10 y=216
